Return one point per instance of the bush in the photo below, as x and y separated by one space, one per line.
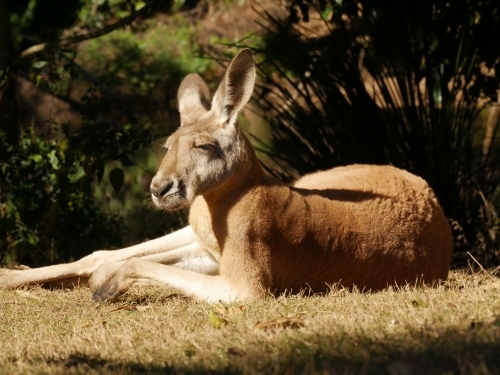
48 211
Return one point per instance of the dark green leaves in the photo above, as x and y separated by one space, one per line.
117 178
39 64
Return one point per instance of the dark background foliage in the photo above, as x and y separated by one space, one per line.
382 82
50 174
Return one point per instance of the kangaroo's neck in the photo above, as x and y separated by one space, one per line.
247 172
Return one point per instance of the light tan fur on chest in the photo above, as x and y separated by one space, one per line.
200 220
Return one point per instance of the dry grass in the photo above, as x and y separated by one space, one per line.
451 329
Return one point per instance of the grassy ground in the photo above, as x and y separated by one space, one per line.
453 329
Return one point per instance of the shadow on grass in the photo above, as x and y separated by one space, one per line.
423 351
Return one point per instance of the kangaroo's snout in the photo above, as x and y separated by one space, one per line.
159 189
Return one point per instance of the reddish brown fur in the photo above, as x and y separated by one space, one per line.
377 226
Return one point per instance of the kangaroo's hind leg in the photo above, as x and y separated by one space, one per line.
190 257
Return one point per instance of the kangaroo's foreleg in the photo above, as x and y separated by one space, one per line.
172 241
82 269
211 288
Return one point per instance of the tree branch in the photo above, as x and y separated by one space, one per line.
90 35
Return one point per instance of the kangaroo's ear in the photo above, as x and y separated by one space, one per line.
236 88
194 99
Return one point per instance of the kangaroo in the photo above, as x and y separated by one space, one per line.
362 226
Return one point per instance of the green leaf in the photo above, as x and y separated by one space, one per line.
36 158
139 5
98 167
54 161
326 13
39 64
216 321
117 178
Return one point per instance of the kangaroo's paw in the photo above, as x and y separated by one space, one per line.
103 275
114 288
9 279
109 292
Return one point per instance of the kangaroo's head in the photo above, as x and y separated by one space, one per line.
205 151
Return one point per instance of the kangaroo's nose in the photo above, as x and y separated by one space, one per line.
162 190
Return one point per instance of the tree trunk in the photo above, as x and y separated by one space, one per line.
9 123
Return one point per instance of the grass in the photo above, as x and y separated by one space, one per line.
453 329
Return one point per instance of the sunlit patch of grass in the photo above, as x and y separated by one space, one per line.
452 328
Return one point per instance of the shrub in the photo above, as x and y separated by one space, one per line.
48 211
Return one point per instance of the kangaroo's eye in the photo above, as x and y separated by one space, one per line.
165 149
205 146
